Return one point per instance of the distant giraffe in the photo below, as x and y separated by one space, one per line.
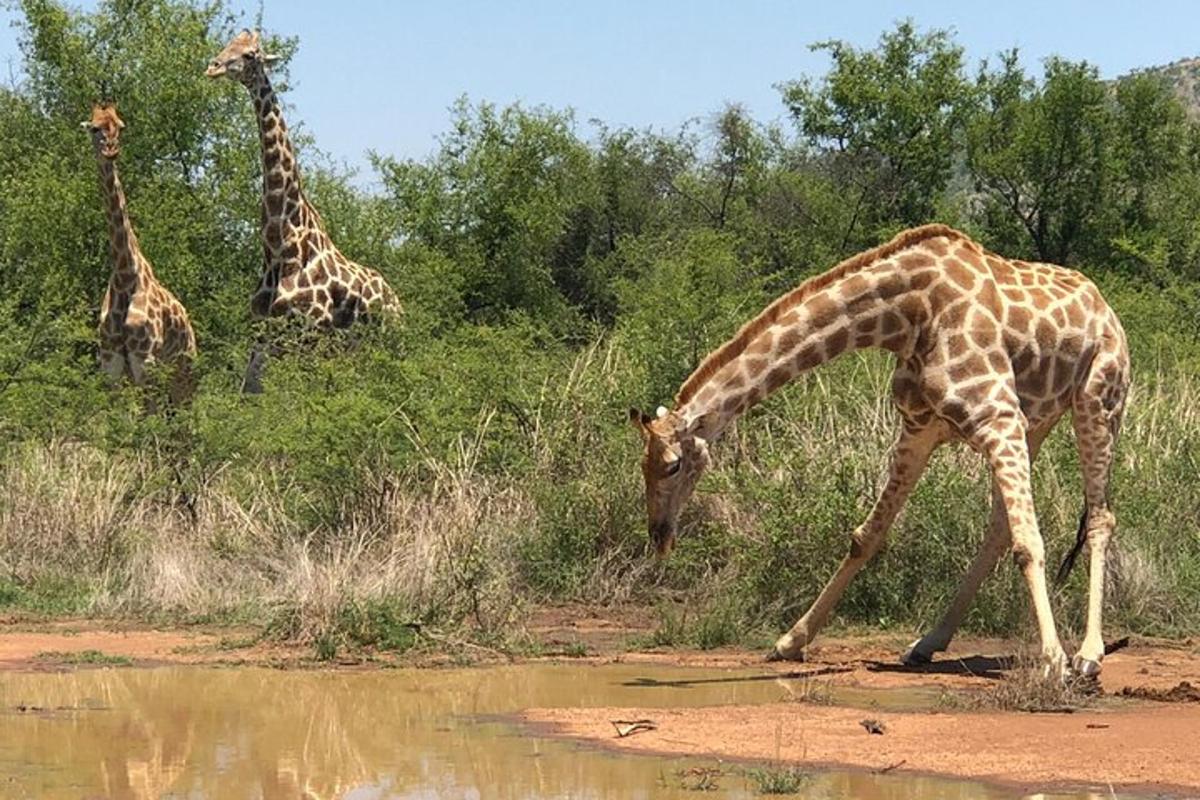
989 351
303 271
141 322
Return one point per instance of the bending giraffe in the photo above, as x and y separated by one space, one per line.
303 271
141 322
989 351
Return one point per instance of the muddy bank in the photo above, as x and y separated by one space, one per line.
765 712
1142 750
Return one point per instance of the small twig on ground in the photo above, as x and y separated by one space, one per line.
626 727
890 767
454 641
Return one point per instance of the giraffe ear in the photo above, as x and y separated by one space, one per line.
270 58
639 420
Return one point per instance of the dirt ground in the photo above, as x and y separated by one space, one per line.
1129 743
1123 743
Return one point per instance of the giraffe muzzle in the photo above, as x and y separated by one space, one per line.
662 534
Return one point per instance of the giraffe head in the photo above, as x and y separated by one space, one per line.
105 127
673 459
241 59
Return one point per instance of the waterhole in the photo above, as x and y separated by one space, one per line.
258 733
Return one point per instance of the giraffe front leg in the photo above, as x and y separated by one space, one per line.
137 368
252 380
908 461
995 542
183 382
1003 444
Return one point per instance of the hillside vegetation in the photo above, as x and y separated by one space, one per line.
451 471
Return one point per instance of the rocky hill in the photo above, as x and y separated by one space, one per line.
1184 75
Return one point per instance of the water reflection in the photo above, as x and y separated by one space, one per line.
254 733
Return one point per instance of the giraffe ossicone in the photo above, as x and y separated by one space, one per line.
141 322
989 351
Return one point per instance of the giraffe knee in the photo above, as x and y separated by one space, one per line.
1098 538
863 543
857 549
1100 525
1027 554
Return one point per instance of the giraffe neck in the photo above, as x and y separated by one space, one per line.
859 311
284 208
123 243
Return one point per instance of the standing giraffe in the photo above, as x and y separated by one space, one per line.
141 322
303 271
989 351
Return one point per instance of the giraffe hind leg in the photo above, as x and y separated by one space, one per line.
1002 439
1097 418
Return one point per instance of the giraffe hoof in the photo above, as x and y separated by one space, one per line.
914 657
786 649
776 655
1085 667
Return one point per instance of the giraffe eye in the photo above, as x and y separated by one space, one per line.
673 467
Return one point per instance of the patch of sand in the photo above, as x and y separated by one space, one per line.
1150 748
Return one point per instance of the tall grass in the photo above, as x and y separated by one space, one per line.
542 501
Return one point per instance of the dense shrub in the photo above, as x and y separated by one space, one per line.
476 457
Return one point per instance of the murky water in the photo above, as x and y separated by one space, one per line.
255 733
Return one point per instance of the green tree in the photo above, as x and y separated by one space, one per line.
189 164
498 199
1042 157
889 121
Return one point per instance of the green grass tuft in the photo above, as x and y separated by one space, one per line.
91 658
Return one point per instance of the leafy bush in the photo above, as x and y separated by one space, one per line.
476 457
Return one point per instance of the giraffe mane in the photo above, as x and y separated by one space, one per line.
727 352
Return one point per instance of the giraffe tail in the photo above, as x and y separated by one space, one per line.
1080 540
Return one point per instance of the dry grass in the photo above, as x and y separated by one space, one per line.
452 538
1029 687
439 550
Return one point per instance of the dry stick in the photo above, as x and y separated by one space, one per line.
628 727
890 767
454 641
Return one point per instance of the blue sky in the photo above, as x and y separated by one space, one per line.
380 74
